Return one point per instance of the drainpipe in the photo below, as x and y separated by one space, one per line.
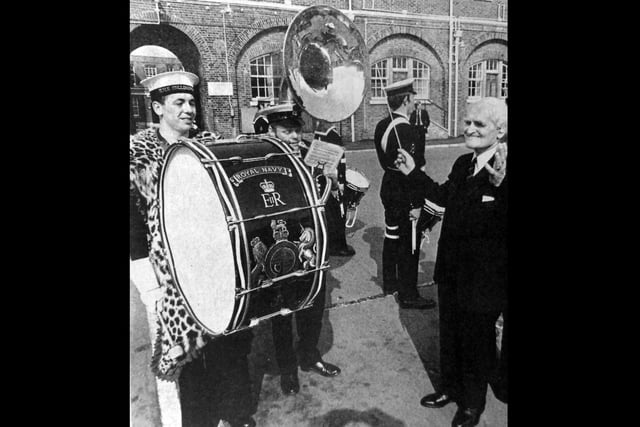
353 124
364 101
226 53
449 131
353 128
158 12
458 35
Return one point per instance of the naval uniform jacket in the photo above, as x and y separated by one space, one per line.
397 190
472 249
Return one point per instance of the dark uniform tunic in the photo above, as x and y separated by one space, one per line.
399 194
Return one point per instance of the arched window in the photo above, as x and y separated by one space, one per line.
391 70
488 78
266 76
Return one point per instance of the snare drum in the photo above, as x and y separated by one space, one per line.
355 188
244 229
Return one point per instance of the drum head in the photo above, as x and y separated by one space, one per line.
357 179
198 241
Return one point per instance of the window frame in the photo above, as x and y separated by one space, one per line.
501 71
379 79
135 107
504 80
153 67
269 78
391 67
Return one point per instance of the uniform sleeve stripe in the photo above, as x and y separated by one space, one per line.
433 208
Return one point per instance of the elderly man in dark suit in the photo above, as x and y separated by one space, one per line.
471 264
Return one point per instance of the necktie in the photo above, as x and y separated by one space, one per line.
419 119
472 167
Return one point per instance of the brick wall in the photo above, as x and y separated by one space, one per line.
194 32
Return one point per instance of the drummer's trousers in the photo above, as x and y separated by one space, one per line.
217 385
308 327
399 261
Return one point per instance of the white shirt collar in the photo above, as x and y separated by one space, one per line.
483 158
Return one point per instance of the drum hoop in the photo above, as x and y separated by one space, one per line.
239 237
201 152
359 175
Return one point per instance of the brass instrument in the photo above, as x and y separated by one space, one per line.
326 63
327 73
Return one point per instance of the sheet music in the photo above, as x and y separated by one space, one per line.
324 155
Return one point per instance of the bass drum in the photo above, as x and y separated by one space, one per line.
245 231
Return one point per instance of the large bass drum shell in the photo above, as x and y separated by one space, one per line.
244 229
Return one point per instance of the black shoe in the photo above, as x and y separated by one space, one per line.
346 251
323 368
436 400
418 303
466 417
289 383
244 422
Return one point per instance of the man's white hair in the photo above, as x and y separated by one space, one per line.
496 109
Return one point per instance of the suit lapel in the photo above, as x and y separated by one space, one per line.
483 174
476 184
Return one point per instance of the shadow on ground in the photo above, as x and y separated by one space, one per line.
421 325
262 360
343 417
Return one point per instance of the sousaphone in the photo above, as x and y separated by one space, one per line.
327 75
326 63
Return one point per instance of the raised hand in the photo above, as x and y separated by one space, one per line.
499 169
404 162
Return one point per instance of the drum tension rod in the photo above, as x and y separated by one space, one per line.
231 222
270 282
282 312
